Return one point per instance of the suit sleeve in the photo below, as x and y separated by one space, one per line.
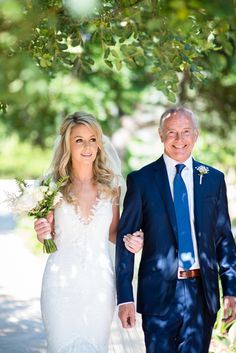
131 220
225 246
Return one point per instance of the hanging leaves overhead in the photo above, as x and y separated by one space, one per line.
161 38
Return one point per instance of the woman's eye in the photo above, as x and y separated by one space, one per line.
79 141
93 139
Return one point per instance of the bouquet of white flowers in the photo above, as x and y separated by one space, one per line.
37 200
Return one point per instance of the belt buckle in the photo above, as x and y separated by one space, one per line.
188 274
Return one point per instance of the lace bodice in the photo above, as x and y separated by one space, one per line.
67 216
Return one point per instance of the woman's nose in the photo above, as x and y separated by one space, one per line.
86 144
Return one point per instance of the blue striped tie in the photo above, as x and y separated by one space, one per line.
185 243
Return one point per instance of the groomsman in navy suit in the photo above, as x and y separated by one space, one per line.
181 206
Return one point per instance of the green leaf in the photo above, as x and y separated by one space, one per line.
86 67
62 46
128 50
76 42
90 60
109 63
139 60
127 3
130 63
118 64
114 53
171 96
106 53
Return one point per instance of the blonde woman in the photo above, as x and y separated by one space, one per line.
78 289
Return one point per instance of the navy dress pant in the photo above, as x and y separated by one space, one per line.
186 328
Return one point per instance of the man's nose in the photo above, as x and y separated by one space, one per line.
178 136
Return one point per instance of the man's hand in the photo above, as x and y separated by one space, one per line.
127 315
229 309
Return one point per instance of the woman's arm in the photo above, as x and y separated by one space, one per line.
115 220
133 242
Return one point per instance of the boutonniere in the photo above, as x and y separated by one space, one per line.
202 170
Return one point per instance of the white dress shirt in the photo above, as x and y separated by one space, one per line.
187 175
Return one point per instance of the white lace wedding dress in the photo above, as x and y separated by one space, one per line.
78 289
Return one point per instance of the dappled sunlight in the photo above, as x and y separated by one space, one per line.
21 326
167 262
126 340
183 324
78 8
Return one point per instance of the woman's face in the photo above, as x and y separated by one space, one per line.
83 144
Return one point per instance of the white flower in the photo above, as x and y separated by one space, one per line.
37 199
28 199
52 185
43 189
202 169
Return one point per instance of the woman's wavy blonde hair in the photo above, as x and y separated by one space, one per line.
103 177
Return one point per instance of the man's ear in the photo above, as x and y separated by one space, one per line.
160 134
196 134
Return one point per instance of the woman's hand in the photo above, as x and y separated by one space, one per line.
44 226
134 242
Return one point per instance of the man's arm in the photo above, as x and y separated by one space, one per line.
226 256
130 221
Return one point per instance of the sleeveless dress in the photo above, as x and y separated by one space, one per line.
78 288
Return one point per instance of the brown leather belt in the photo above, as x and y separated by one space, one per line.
189 274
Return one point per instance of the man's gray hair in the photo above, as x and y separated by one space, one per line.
175 110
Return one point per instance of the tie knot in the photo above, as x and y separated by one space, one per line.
179 168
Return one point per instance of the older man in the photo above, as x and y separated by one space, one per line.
181 206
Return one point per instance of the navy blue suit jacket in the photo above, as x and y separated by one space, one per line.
148 205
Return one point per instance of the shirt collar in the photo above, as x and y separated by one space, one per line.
171 163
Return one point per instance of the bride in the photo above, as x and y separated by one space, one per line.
78 289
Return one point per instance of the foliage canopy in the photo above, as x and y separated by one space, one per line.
114 52
157 37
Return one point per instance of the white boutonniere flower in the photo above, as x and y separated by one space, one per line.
202 170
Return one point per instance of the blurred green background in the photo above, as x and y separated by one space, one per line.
124 61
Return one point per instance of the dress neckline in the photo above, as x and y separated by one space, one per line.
87 220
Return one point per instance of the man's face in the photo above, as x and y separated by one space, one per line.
178 136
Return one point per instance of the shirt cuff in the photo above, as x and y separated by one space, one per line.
124 303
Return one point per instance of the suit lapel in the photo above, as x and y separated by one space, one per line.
162 182
161 178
